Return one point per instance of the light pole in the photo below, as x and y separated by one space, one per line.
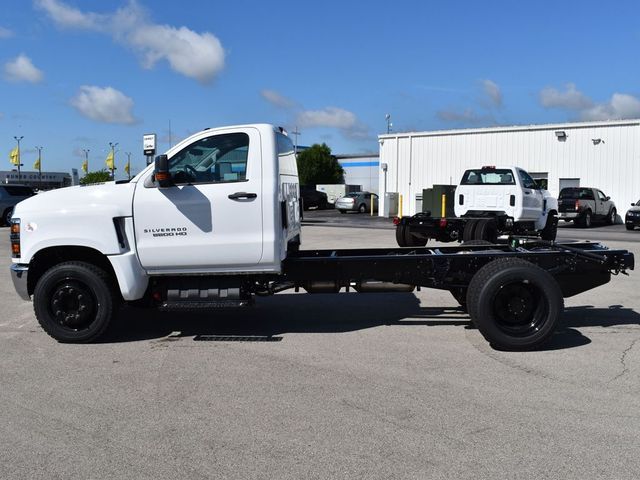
39 166
387 117
86 160
19 159
113 159
295 145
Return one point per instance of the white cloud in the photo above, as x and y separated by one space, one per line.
195 55
22 69
5 33
332 117
492 92
467 116
620 106
104 104
570 99
276 99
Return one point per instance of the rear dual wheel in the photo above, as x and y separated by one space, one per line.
480 229
515 304
405 238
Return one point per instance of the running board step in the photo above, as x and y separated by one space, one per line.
187 305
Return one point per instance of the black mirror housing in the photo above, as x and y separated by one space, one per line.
162 175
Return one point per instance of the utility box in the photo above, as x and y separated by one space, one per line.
432 200
390 206
336 191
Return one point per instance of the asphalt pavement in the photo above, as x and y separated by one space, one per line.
375 386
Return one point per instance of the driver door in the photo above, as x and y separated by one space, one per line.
211 219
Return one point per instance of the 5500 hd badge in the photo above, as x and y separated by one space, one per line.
167 232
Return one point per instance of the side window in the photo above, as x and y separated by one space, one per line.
215 159
601 196
527 181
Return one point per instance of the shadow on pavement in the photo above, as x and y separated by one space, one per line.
292 313
286 313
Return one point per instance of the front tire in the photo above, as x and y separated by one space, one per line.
550 230
515 304
611 218
629 227
74 302
6 216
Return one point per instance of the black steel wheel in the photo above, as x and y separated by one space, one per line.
515 304
486 229
74 302
469 230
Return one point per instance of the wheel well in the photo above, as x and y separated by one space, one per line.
49 257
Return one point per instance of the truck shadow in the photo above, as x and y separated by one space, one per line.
287 313
290 313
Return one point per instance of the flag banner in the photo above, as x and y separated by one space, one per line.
127 168
14 156
36 164
85 166
109 161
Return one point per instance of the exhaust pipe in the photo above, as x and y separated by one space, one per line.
373 286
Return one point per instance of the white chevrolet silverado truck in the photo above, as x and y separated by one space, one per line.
488 202
215 222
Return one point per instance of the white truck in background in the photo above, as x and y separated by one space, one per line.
488 202
215 222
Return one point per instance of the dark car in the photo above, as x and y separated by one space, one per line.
9 196
632 218
313 198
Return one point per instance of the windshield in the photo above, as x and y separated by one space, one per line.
574 192
499 176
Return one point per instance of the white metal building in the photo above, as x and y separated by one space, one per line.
361 169
605 155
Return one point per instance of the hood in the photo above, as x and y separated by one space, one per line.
634 209
110 199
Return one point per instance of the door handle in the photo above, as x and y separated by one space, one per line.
242 196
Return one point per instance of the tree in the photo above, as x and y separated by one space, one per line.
316 166
100 176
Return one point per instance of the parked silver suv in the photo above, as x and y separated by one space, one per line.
9 196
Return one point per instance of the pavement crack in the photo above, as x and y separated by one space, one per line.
623 360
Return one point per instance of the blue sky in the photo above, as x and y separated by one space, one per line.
79 74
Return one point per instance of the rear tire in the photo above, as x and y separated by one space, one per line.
6 216
486 229
515 304
74 302
404 238
585 221
550 230
343 211
469 230
400 229
362 208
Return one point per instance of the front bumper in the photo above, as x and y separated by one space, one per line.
635 220
19 275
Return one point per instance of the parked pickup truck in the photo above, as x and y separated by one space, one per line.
489 202
216 222
583 205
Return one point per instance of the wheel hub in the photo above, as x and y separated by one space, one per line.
72 305
518 308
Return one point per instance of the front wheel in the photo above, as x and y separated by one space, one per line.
629 227
74 302
515 304
611 218
550 230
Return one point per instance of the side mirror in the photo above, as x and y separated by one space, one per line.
163 177
607 198
633 204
